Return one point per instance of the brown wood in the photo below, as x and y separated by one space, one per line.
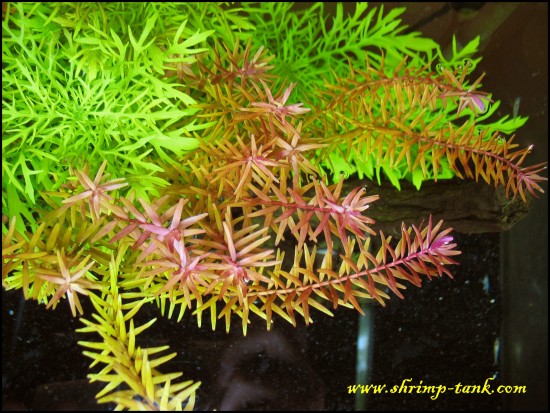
467 206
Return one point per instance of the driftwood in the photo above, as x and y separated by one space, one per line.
467 206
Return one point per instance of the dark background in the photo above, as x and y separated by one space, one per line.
443 333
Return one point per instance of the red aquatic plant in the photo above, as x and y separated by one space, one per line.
250 225
240 228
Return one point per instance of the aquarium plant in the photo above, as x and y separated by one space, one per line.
192 156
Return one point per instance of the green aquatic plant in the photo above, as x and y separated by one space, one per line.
79 86
315 48
164 163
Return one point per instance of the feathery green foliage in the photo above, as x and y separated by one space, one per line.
78 85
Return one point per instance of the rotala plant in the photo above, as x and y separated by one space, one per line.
176 167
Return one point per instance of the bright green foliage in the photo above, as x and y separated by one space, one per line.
315 46
87 82
83 82
311 42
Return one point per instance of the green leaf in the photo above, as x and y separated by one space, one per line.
183 48
174 142
458 56
417 178
470 48
64 22
157 59
167 90
119 44
340 166
138 45
239 23
18 208
393 175
85 40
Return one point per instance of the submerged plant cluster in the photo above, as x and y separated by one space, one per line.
192 156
